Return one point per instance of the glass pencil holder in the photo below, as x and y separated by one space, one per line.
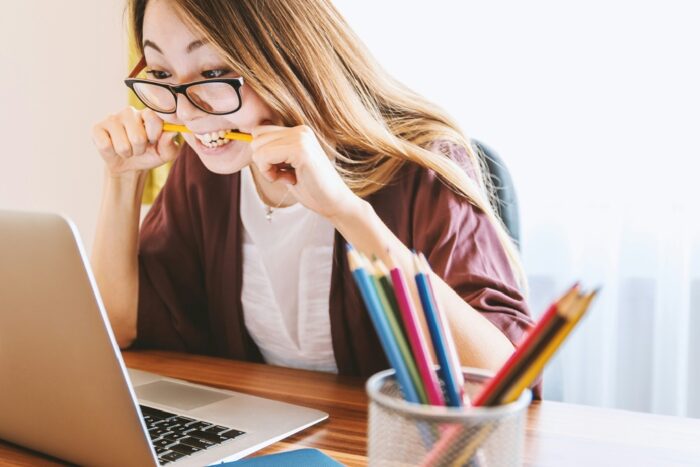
403 433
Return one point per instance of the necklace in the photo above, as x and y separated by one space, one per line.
269 209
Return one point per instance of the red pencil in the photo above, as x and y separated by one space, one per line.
488 395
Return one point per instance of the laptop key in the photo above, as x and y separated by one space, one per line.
157 432
211 437
230 434
160 450
155 413
182 420
184 449
180 429
199 425
168 424
160 423
217 429
196 442
174 436
161 442
171 456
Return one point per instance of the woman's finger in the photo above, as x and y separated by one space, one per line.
153 125
166 147
261 130
273 154
135 131
265 137
288 176
102 141
118 135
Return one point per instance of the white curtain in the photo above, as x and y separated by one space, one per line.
610 189
637 349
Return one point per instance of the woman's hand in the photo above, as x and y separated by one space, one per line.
314 181
133 140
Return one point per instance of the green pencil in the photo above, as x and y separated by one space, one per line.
385 292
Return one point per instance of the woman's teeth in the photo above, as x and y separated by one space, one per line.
214 139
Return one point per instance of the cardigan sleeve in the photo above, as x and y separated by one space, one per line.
462 247
172 295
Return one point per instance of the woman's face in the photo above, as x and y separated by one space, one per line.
175 55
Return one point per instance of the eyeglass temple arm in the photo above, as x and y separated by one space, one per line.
138 67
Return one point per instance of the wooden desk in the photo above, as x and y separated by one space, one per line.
557 434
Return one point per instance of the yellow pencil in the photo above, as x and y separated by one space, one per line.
577 311
574 311
230 135
471 448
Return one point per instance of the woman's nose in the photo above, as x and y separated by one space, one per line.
186 111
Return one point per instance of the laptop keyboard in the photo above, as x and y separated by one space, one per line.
174 436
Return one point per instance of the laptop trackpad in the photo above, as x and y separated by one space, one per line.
179 396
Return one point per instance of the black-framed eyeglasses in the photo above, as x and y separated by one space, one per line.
217 96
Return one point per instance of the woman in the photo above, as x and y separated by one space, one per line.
242 255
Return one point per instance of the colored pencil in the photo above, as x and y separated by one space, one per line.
381 325
449 437
573 315
229 135
449 340
570 308
558 322
414 331
495 387
385 292
383 274
452 391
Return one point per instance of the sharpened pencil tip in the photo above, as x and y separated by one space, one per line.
426 264
354 259
390 260
380 267
417 264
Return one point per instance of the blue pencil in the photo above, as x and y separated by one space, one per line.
381 325
452 390
445 326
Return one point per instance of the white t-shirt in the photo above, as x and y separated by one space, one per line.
287 265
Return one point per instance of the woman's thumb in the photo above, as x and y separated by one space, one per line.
167 146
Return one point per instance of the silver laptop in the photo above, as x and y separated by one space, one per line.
64 388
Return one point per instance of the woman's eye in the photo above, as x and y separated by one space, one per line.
215 73
158 74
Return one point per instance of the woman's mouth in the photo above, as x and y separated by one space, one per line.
214 139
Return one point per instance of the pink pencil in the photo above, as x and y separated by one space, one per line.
415 335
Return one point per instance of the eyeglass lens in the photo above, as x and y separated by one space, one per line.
211 97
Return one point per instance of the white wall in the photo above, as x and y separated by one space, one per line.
61 65
564 84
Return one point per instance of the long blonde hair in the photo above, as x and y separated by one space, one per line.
307 64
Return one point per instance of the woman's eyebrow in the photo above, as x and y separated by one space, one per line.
194 45
151 44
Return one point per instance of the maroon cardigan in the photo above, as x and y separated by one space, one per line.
190 265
